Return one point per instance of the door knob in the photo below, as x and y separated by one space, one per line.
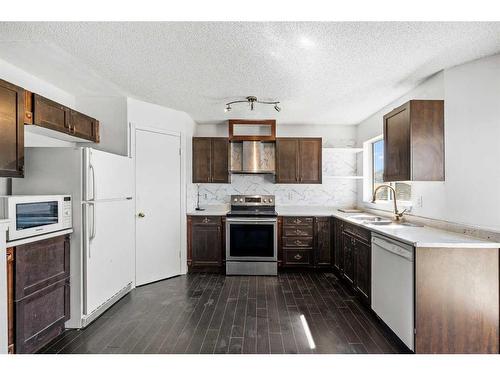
141 214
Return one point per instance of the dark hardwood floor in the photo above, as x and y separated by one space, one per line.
210 313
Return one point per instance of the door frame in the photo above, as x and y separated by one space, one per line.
133 128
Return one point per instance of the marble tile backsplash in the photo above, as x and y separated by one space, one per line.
332 192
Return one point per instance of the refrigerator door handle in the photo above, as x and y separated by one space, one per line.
91 167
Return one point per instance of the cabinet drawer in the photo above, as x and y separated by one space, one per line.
206 220
298 257
40 264
297 241
298 221
357 231
40 317
297 231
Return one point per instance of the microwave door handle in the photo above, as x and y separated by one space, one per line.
91 167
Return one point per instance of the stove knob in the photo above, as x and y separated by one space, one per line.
265 200
236 199
241 200
270 200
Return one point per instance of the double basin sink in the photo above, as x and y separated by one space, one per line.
377 220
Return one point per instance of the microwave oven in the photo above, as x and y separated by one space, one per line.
33 215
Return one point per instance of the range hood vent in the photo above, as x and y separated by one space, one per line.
253 157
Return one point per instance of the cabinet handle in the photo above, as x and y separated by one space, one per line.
206 220
298 257
298 242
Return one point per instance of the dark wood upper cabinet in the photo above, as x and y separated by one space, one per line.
52 115
310 164
287 166
298 160
414 142
220 160
83 126
11 130
210 160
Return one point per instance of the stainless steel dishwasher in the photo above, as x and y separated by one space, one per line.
392 286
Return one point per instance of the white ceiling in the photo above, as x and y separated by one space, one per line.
323 73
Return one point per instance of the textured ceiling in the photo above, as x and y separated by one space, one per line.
323 73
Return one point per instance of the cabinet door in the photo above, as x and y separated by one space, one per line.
10 298
287 160
363 270
397 144
220 160
40 316
349 258
206 245
11 130
83 126
338 246
39 264
201 159
322 239
50 114
310 161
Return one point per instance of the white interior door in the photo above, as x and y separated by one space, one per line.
158 206
109 250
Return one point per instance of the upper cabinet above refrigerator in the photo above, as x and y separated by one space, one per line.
414 142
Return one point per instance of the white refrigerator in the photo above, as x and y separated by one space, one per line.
103 242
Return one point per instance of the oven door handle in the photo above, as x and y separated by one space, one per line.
252 220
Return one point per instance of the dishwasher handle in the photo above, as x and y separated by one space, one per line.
394 248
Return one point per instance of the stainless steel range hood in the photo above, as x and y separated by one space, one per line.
253 157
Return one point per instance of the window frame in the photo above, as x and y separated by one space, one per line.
369 183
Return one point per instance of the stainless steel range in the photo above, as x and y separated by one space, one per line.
251 236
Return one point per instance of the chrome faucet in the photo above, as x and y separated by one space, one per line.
397 215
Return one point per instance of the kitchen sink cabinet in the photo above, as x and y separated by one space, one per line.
298 160
39 291
414 142
206 243
338 248
210 160
11 130
352 257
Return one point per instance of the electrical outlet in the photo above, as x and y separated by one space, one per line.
420 202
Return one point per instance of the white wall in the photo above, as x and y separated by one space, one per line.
470 193
142 114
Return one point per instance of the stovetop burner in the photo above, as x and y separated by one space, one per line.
252 206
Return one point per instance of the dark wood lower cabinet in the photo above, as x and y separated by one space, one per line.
323 242
10 299
206 243
457 300
39 293
352 257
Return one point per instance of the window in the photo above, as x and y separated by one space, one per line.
403 189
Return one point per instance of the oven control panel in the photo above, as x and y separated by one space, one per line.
252 200
67 217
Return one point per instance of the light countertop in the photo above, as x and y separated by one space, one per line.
417 236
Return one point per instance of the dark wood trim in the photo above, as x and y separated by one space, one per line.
10 300
232 137
28 107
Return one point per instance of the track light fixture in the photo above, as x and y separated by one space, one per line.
252 100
